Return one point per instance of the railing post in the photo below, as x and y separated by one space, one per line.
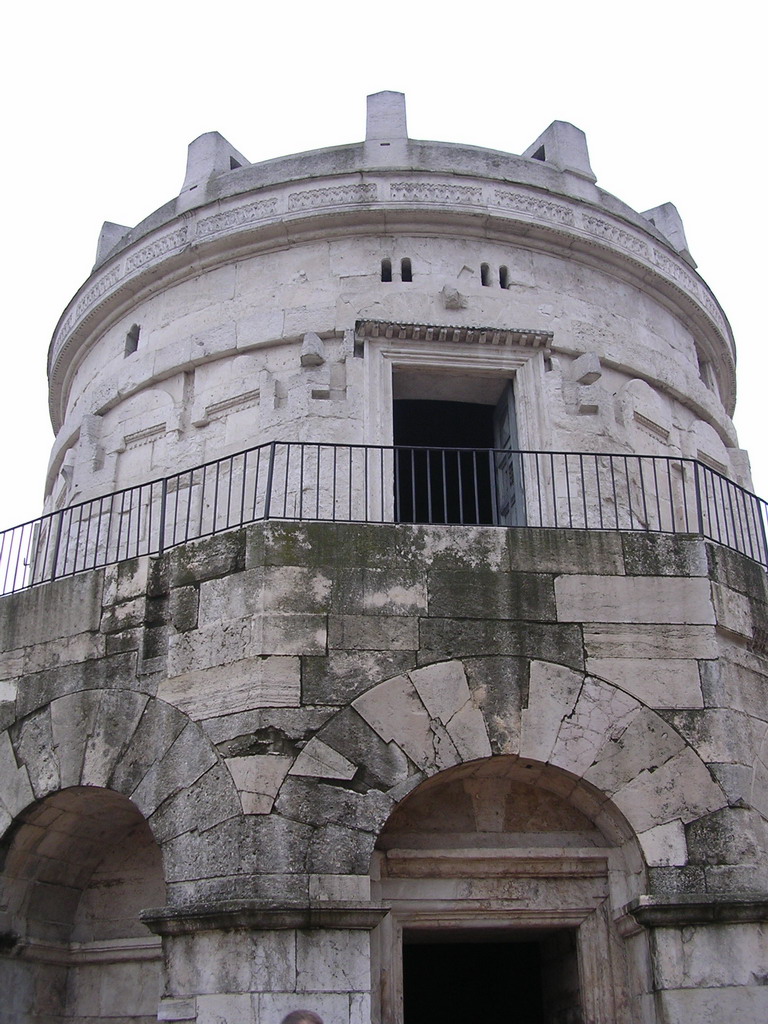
699 506
57 542
163 501
270 474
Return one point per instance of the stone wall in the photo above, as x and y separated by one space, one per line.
265 699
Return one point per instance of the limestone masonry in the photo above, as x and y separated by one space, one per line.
409 738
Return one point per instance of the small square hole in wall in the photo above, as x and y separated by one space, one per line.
132 340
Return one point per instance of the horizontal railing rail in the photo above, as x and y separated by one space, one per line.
380 484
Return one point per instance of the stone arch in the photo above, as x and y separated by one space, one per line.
102 791
140 747
414 725
499 857
78 867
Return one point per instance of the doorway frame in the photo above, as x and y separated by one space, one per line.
595 951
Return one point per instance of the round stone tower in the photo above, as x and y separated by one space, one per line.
288 718
298 298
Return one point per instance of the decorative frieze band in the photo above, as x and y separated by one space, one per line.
339 195
435 192
237 217
159 248
517 203
534 206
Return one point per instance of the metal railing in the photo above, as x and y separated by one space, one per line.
377 484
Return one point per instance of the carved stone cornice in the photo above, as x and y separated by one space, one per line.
698 909
258 914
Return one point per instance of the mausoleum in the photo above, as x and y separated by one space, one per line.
393 640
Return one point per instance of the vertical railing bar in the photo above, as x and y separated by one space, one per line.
215 516
539 496
554 487
568 491
444 471
598 489
629 494
654 462
583 491
270 470
672 510
413 484
335 482
428 455
349 485
476 486
643 495
460 488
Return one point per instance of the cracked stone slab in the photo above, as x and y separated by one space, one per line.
318 760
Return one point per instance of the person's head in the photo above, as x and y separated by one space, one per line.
302 1017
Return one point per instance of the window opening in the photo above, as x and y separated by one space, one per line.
132 340
386 270
485 274
503 277
457 461
234 164
405 270
539 154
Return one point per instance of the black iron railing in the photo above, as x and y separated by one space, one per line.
376 484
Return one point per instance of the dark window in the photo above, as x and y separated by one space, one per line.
386 270
485 274
132 340
405 270
503 277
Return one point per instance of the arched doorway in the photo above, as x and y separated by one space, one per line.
505 880
78 867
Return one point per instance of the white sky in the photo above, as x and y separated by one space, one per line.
101 100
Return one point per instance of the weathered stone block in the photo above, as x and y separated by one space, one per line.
258 778
372 633
337 850
126 580
453 547
646 742
16 792
737 572
32 739
250 682
497 686
633 599
491 595
379 591
117 671
341 676
650 554
187 758
459 638
157 730
207 559
63 608
680 788
184 602
657 683
211 800
332 961
658 640
319 761
566 551
379 764
291 633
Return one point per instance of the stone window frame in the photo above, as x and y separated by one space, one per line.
525 366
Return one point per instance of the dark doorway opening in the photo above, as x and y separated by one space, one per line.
522 978
434 484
